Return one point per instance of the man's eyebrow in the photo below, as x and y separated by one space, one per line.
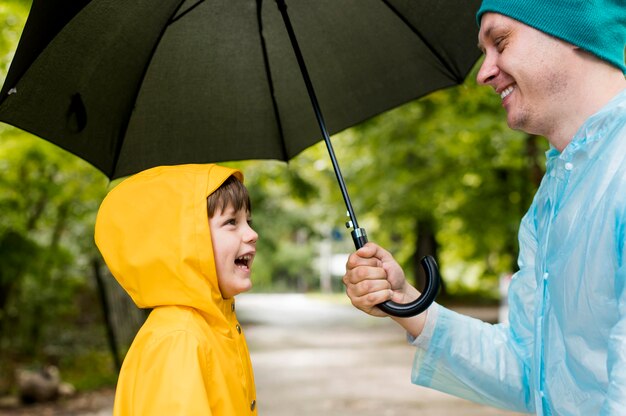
486 35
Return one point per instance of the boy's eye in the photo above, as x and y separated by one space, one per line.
230 221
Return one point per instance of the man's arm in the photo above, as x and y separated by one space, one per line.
616 354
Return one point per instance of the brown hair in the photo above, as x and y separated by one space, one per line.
231 192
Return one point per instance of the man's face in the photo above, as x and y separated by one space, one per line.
528 69
234 247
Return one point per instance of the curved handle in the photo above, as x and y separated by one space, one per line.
429 293
419 305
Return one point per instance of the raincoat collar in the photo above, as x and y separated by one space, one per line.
589 133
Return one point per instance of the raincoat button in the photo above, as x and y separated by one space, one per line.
232 307
238 328
253 405
545 276
569 166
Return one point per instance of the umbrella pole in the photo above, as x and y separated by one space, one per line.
358 234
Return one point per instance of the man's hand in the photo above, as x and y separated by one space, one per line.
373 276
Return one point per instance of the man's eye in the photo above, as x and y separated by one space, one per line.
499 43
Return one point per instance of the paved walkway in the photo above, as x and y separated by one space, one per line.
317 356
314 357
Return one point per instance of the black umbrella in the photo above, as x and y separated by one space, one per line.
128 85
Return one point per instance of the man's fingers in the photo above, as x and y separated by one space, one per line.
365 287
361 258
372 250
368 302
362 273
369 255
366 278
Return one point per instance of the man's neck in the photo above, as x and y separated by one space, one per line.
596 89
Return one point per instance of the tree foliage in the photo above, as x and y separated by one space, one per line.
48 200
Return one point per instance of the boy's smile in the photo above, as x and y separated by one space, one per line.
234 248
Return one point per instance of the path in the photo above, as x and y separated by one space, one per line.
313 357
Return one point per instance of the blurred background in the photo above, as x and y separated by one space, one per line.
442 176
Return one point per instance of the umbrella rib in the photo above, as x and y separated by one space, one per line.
452 72
268 74
120 142
190 8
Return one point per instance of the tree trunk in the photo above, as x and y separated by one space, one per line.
425 245
95 263
16 252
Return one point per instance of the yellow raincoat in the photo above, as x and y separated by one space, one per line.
190 357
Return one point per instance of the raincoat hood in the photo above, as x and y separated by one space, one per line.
153 232
190 356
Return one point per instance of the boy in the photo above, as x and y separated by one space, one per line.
178 240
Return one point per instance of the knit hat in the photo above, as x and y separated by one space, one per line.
597 26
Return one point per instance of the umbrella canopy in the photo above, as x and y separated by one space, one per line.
129 85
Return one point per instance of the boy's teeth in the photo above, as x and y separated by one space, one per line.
506 92
244 259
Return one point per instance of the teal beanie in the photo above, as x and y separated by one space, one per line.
597 26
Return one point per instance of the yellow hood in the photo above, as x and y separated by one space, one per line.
153 232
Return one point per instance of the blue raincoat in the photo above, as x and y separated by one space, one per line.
564 349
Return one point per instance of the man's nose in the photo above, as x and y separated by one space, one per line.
487 71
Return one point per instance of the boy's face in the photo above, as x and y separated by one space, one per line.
234 247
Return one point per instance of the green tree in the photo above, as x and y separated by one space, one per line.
48 200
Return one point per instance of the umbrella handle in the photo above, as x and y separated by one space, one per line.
429 293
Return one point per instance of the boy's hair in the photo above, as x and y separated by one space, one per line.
231 192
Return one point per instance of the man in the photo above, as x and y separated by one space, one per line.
559 68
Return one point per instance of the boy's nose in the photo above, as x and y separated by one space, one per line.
251 236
